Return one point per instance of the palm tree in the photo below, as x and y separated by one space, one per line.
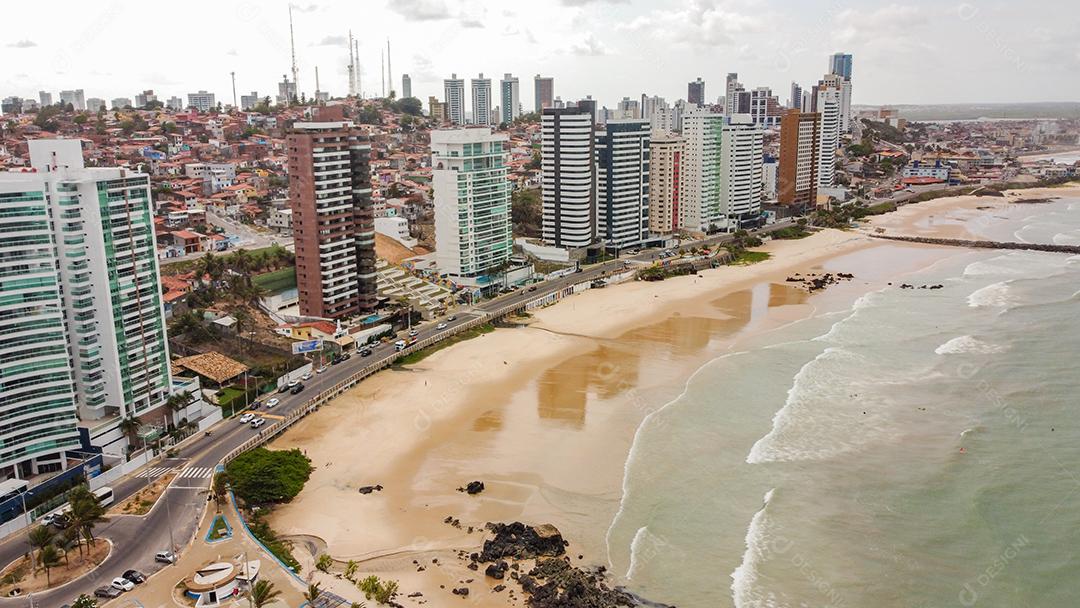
313 592
40 537
220 488
86 512
130 427
263 592
50 558
178 401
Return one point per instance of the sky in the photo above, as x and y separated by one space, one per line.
916 51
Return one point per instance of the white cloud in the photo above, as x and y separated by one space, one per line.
701 23
420 10
590 46
23 44
333 41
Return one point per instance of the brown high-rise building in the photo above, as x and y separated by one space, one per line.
333 218
797 179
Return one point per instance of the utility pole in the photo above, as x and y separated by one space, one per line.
352 67
233 75
33 562
359 82
389 72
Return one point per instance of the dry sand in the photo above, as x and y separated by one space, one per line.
544 415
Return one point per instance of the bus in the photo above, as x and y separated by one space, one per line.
104 496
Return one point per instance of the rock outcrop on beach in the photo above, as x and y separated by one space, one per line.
815 282
552 582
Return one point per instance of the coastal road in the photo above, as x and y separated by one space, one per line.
137 539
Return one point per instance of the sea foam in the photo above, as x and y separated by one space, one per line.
968 344
996 294
758 547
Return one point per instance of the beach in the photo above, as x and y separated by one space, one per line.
549 416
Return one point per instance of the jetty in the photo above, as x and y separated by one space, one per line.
1072 249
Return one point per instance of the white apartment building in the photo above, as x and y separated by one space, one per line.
665 182
828 103
249 101
77 98
741 147
622 183
104 272
454 97
215 176
701 171
481 101
201 101
510 98
836 81
473 228
119 103
568 180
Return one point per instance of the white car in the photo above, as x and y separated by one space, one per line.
293 383
320 370
122 584
256 423
166 557
306 377
246 418
413 333
441 326
273 402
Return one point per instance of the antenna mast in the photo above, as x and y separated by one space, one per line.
389 72
292 45
352 67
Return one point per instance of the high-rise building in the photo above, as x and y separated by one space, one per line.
96 104
201 101
665 182
651 105
828 101
84 298
695 92
332 216
668 119
147 96
406 86
795 100
249 101
11 105
568 180
45 97
175 104
840 64
700 208
588 104
437 109
77 98
544 92
797 180
481 100
509 98
454 98
628 109
741 148
119 103
732 88
286 91
765 107
473 235
622 183
836 81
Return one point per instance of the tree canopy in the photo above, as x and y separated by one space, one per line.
263 476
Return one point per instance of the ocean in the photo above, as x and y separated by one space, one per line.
900 447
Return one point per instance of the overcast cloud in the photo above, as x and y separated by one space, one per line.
905 52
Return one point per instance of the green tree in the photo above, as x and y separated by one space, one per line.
263 592
49 559
313 592
84 601
86 512
324 562
40 537
350 569
220 488
263 476
130 428
409 105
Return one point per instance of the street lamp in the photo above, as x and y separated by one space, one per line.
29 523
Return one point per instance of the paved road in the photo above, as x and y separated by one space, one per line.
249 238
137 539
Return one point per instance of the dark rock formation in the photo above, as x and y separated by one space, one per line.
474 487
370 489
519 541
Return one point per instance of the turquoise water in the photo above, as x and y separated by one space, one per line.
910 448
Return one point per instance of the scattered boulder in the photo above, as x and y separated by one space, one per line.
370 489
462 591
497 570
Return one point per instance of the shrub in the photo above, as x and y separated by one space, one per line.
264 476
324 562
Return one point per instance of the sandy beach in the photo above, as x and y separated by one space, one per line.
545 414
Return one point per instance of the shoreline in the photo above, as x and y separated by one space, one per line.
522 409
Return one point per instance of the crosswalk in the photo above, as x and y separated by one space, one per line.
182 472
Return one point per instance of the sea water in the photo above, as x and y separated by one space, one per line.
915 447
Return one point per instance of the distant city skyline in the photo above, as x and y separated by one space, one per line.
605 48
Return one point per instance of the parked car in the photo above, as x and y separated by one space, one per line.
272 402
246 418
533 288
256 423
346 356
122 584
366 352
306 377
336 359
135 576
296 389
293 383
165 557
320 370
107 592
452 318
441 326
